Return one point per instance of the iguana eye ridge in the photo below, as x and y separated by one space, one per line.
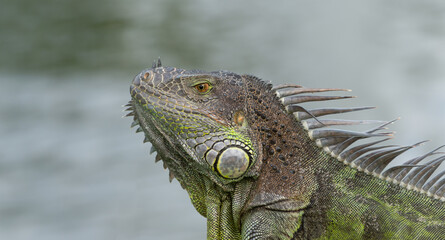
232 162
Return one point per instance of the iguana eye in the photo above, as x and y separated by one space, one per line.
203 87
232 162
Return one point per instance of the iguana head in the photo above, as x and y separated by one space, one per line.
226 138
191 126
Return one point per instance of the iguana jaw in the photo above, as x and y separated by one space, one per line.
165 150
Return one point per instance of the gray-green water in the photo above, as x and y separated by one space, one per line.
71 168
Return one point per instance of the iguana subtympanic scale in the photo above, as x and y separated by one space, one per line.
258 165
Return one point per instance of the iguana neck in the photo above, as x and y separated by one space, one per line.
285 177
288 154
285 181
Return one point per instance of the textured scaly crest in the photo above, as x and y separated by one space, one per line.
369 157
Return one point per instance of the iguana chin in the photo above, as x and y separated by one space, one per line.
258 165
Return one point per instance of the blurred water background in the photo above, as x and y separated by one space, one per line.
71 168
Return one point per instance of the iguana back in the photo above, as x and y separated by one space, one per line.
258 165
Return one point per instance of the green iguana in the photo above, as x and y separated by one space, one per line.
258 165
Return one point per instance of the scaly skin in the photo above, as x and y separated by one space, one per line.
252 170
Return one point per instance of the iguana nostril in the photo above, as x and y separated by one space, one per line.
146 75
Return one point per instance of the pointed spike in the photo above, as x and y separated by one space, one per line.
338 150
431 181
355 162
152 149
164 165
425 175
344 155
301 99
129 114
431 165
383 126
435 151
410 175
441 191
311 124
157 158
396 174
300 115
134 123
287 85
363 162
154 64
392 171
419 143
139 129
295 91
315 134
146 139
357 157
129 104
432 185
380 163
171 176
129 109
404 176
377 166
159 64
